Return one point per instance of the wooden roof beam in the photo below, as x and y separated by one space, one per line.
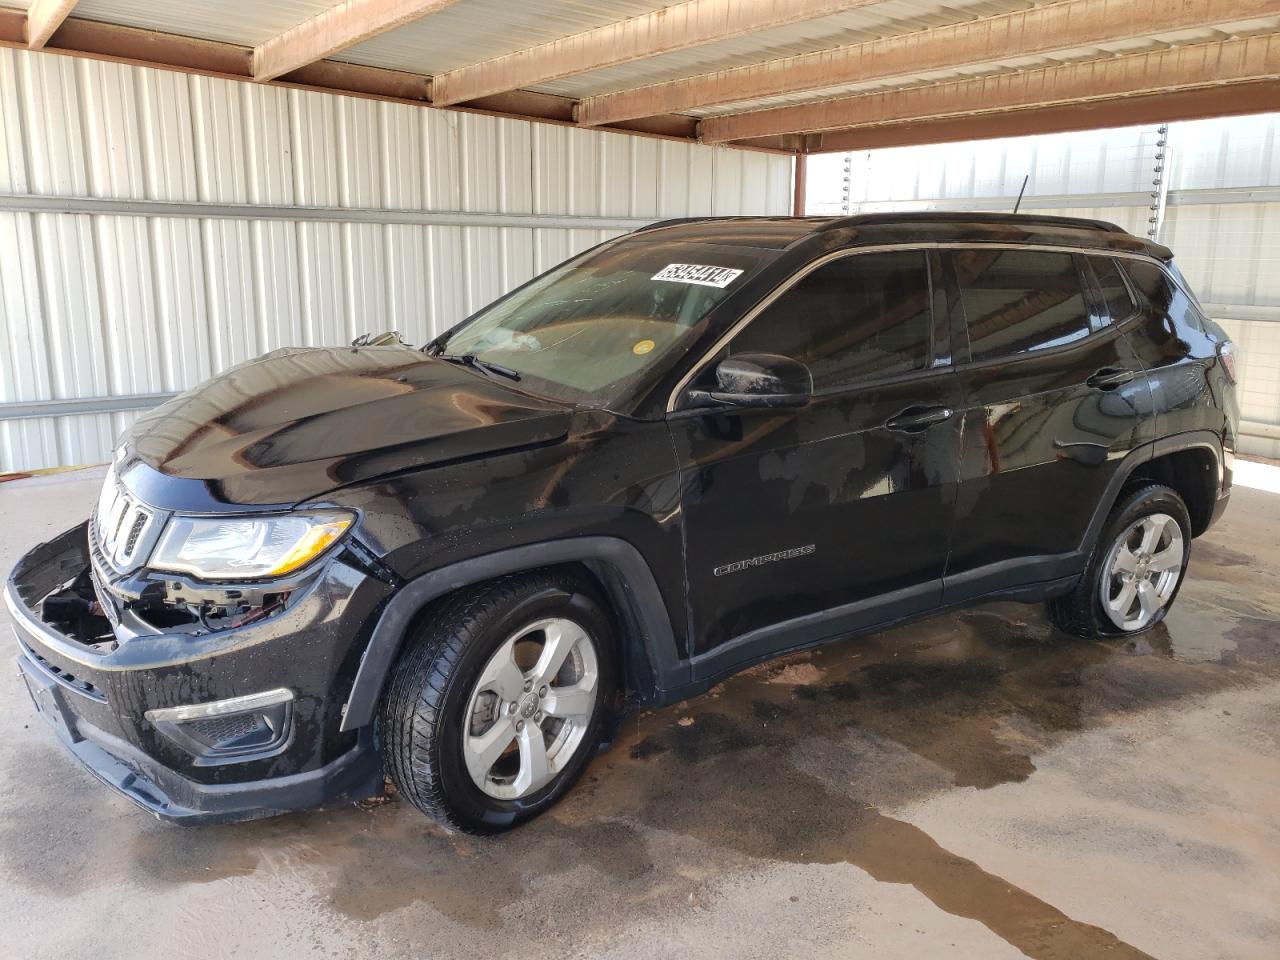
44 17
1055 26
1261 96
678 27
148 48
1215 64
334 30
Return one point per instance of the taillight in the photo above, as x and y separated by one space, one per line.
1227 354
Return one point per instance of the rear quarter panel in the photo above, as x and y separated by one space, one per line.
1189 388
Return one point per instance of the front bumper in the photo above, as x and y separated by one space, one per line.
97 700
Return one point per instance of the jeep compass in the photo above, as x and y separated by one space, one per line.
682 452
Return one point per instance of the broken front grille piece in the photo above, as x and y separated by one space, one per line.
124 528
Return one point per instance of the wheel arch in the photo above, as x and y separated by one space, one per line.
649 659
1190 462
1194 472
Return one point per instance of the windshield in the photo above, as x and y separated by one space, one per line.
587 330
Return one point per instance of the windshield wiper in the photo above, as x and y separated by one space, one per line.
484 366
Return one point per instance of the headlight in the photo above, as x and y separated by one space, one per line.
247 548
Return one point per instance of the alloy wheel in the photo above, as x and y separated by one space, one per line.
530 708
1142 571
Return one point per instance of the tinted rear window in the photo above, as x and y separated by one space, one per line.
1018 301
1114 290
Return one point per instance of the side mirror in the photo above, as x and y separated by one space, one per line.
757 380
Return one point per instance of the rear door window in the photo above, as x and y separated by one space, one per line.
857 318
1020 301
1115 292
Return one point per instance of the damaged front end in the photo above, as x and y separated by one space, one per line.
198 700
99 609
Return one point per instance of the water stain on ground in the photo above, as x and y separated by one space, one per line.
1208 553
970 698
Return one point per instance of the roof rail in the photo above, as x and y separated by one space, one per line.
658 224
964 216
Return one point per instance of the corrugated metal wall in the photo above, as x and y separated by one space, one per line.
292 218
1214 186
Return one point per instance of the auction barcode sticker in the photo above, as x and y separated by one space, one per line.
706 276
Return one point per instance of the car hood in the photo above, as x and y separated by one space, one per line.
298 423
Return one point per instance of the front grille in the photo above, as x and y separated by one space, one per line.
131 544
123 527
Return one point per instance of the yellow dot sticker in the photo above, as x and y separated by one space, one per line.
642 347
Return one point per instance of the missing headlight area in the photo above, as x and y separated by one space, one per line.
143 569
88 611
211 608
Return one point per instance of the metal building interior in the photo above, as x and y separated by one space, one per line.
202 147
188 184
802 77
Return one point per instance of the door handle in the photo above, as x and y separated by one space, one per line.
916 419
1108 378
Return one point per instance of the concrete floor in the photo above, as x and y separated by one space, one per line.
976 785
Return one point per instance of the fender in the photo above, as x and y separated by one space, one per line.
1190 440
624 573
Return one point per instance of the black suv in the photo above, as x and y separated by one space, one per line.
687 450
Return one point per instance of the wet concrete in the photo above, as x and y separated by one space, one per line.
975 785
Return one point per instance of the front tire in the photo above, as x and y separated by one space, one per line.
1136 569
499 699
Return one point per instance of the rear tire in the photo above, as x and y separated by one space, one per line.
498 700
1136 569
